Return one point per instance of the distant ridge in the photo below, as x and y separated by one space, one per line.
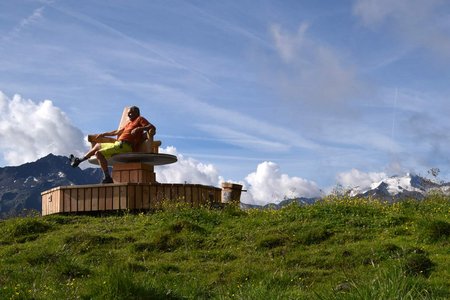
21 186
390 189
401 187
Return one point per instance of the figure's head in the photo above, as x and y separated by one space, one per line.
133 112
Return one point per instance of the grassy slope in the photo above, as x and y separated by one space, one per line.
338 249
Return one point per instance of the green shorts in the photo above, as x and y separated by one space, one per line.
110 149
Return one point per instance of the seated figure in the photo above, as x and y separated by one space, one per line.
129 139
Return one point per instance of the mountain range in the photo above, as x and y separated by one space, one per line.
401 187
21 186
391 189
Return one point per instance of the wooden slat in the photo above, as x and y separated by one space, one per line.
88 199
109 198
167 195
138 189
153 196
116 197
101 199
131 196
95 199
188 193
146 196
159 196
123 197
66 200
73 200
80 199
195 196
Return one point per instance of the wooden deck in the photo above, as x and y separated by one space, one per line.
125 196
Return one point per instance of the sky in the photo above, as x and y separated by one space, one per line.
289 98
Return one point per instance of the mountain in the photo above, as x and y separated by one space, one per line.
391 189
401 187
21 186
281 204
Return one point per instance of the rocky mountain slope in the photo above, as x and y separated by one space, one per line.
401 187
21 186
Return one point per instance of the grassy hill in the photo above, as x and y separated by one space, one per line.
336 249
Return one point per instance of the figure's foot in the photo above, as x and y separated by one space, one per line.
74 161
107 179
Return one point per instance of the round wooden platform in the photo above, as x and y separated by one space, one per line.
154 159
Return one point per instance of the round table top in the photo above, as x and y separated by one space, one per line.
155 159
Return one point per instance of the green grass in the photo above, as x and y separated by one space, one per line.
339 248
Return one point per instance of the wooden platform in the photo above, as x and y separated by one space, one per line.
125 196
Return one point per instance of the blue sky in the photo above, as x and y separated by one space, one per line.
322 92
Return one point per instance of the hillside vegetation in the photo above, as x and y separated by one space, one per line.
339 248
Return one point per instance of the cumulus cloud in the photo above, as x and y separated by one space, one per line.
187 169
30 130
360 180
268 185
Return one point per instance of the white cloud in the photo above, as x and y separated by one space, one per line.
268 185
421 23
265 185
311 73
29 130
357 179
187 170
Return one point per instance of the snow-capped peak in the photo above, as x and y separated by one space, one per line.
397 185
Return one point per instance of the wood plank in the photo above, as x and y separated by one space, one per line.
138 189
101 198
153 196
116 197
159 196
125 176
109 198
167 192
59 206
134 176
95 199
66 200
73 200
146 196
45 198
188 193
174 194
131 196
88 199
123 197
80 199
195 196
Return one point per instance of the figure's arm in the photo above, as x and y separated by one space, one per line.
111 133
150 128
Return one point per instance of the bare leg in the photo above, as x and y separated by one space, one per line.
93 151
103 162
